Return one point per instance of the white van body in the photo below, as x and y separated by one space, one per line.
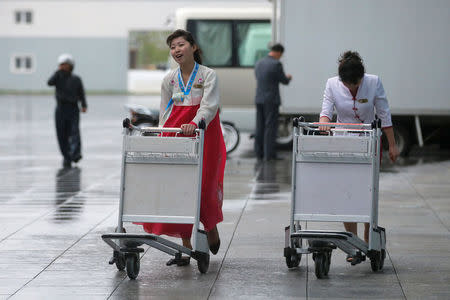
405 42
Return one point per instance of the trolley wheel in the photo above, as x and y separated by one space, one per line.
377 261
293 260
133 265
327 262
120 260
320 264
203 263
383 256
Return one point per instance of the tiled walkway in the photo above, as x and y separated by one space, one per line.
51 221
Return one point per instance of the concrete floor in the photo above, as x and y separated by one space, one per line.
51 221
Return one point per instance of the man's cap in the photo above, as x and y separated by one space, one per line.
66 59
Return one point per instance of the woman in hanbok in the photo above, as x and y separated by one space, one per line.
190 94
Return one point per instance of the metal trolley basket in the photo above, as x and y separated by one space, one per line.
150 163
335 179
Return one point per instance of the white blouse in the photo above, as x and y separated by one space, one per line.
204 91
359 109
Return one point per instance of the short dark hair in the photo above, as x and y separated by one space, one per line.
189 38
277 48
351 67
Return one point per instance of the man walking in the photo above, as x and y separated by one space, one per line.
269 74
68 91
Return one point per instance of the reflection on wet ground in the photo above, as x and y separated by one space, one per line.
51 220
68 203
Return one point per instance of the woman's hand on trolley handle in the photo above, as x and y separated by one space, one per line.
323 127
188 129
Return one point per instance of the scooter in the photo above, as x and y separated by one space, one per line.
142 116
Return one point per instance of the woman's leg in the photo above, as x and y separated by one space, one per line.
366 232
351 227
187 243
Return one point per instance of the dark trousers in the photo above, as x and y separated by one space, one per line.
266 130
67 118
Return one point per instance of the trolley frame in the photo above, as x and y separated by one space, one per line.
346 147
134 153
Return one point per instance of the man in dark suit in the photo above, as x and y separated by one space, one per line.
269 74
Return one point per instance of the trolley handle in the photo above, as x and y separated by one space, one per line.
127 124
315 125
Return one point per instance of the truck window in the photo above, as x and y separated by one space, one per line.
231 43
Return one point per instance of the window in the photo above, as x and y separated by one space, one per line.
231 43
22 64
253 41
215 41
147 50
23 16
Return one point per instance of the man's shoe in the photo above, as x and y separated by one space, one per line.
273 158
67 164
77 158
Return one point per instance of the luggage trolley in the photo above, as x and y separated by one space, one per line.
151 164
335 178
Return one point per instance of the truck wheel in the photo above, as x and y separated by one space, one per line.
284 135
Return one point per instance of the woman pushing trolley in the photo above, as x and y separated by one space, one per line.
335 171
172 175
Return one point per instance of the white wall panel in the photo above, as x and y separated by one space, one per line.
96 18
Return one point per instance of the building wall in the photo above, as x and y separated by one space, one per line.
102 63
95 32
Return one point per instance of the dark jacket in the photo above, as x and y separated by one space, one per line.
269 74
68 88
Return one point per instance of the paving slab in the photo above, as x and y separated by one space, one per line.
51 221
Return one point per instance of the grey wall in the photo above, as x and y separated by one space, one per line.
102 63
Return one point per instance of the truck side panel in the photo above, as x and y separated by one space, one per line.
405 42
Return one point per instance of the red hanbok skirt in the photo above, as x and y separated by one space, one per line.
214 158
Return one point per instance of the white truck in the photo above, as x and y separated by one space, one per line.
405 42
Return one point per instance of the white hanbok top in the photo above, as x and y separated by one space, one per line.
359 109
204 92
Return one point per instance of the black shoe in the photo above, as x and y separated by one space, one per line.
355 259
67 164
77 158
215 248
179 261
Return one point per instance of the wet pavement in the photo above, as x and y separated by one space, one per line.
51 221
